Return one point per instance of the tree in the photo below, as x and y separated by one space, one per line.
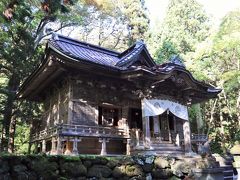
217 61
137 19
24 24
166 51
105 26
115 24
185 25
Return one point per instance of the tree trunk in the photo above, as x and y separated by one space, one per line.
238 108
213 108
12 134
199 118
222 127
13 85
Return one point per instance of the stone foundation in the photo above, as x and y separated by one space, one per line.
97 167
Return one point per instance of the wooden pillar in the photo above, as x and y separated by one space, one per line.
128 149
70 111
156 125
187 137
137 137
75 146
169 131
70 103
177 139
147 133
58 107
59 146
125 112
43 146
53 149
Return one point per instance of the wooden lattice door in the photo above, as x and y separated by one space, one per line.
164 127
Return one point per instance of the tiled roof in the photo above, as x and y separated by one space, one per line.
78 51
85 52
82 51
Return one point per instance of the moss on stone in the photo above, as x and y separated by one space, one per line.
119 171
161 163
73 169
99 171
35 167
162 173
4 167
134 170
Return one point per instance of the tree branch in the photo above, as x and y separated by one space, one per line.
38 40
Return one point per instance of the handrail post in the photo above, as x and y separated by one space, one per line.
177 139
104 146
137 137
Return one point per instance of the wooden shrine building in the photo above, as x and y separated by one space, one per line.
99 101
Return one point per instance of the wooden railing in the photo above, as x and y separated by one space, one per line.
45 134
81 131
137 137
98 131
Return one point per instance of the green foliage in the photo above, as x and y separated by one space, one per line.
236 137
185 25
213 57
138 21
231 80
22 138
217 61
216 144
165 52
114 24
71 158
24 24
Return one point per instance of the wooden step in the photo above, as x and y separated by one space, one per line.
226 163
160 148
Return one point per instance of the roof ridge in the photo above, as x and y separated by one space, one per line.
127 50
137 48
69 40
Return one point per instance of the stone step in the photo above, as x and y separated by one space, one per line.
169 153
228 178
229 170
228 163
167 149
226 174
174 150
163 145
228 167
161 153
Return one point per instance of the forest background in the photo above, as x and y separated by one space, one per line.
211 53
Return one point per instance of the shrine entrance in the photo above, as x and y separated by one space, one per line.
165 130
162 127
159 123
